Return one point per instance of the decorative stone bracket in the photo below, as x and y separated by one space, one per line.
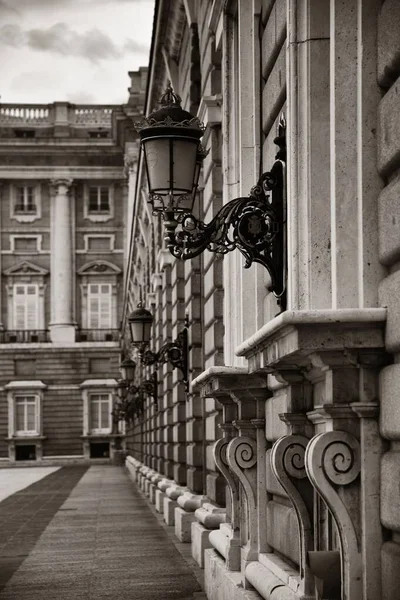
220 458
241 456
287 462
333 464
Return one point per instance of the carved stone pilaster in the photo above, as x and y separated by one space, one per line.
333 465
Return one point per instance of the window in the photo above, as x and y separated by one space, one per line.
99 306
24 133
26 415
26 304
99 199
25 199
99 134
100 413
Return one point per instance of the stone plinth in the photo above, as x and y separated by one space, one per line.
169 510
183 524
200 542
208 517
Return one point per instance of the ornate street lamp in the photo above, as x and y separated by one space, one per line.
127 368
175 353
170 140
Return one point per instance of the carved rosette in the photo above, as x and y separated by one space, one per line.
333 461
288 465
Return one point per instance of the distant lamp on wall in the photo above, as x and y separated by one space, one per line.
173 155
175 353
127 368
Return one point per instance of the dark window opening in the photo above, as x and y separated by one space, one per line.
99 200
99 450
98 134
27 452
25 199
24 133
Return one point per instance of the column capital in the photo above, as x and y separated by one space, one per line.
60 186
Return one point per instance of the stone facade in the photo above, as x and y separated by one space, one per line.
290 429
64 193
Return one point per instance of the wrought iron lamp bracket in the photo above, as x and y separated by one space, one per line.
175 353
255 225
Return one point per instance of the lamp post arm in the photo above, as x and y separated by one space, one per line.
175 353
254 225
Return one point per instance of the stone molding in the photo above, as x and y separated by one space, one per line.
292 336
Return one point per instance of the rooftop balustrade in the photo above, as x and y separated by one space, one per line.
58 113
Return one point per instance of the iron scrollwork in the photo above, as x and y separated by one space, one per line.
255 225
175 353
132 403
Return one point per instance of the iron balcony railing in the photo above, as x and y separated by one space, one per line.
97 335
24 336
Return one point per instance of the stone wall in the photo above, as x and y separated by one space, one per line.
62 370
388 71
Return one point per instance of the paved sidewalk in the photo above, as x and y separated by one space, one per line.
14 480
103 542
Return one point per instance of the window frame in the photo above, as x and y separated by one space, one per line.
20 236
109 236
98 215
25 388
26 432
25 285
25 216
98 296
100 430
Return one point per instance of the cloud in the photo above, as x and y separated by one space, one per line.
94 45
5 9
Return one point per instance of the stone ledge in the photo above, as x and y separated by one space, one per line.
291 337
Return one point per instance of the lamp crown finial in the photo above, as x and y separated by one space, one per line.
169 98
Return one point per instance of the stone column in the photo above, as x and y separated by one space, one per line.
62 328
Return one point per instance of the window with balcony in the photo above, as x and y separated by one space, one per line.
26 306
99 306
25 287
100 413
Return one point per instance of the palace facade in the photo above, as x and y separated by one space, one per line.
280 465
63 225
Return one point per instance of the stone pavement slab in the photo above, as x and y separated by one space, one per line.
102 543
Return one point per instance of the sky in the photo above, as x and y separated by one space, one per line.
74 50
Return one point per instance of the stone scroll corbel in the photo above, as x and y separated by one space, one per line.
242 458
220 458
288 465
333 466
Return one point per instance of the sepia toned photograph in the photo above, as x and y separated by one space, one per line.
199 300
